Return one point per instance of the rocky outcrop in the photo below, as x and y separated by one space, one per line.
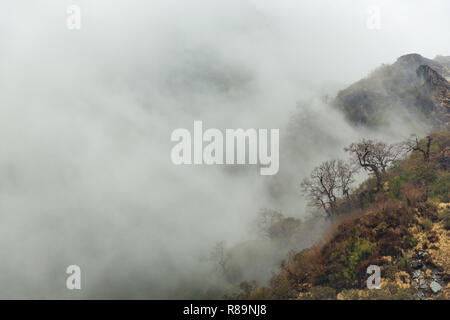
412 86
413 61
439 90
431 78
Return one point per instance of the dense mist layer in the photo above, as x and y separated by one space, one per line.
86 118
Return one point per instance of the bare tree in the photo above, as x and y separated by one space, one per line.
321 187
328 181
345 175
266 220
375 156
413 144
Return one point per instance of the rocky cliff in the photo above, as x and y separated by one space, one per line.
413 86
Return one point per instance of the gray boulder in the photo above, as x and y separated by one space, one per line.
435 287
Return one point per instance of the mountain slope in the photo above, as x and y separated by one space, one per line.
413 86
403 228
445 62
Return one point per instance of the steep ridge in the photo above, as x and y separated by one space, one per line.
439 90
412 85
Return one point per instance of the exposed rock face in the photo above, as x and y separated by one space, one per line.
439 89
432 78
414 61
413 87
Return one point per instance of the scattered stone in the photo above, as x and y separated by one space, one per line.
420 295
422 284
422 254
436 277
435 287
416 264
416 274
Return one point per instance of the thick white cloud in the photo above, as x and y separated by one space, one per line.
86 117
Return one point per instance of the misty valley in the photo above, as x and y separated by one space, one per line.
221 153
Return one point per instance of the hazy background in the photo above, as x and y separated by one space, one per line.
86 118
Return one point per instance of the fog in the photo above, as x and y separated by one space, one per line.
86 117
